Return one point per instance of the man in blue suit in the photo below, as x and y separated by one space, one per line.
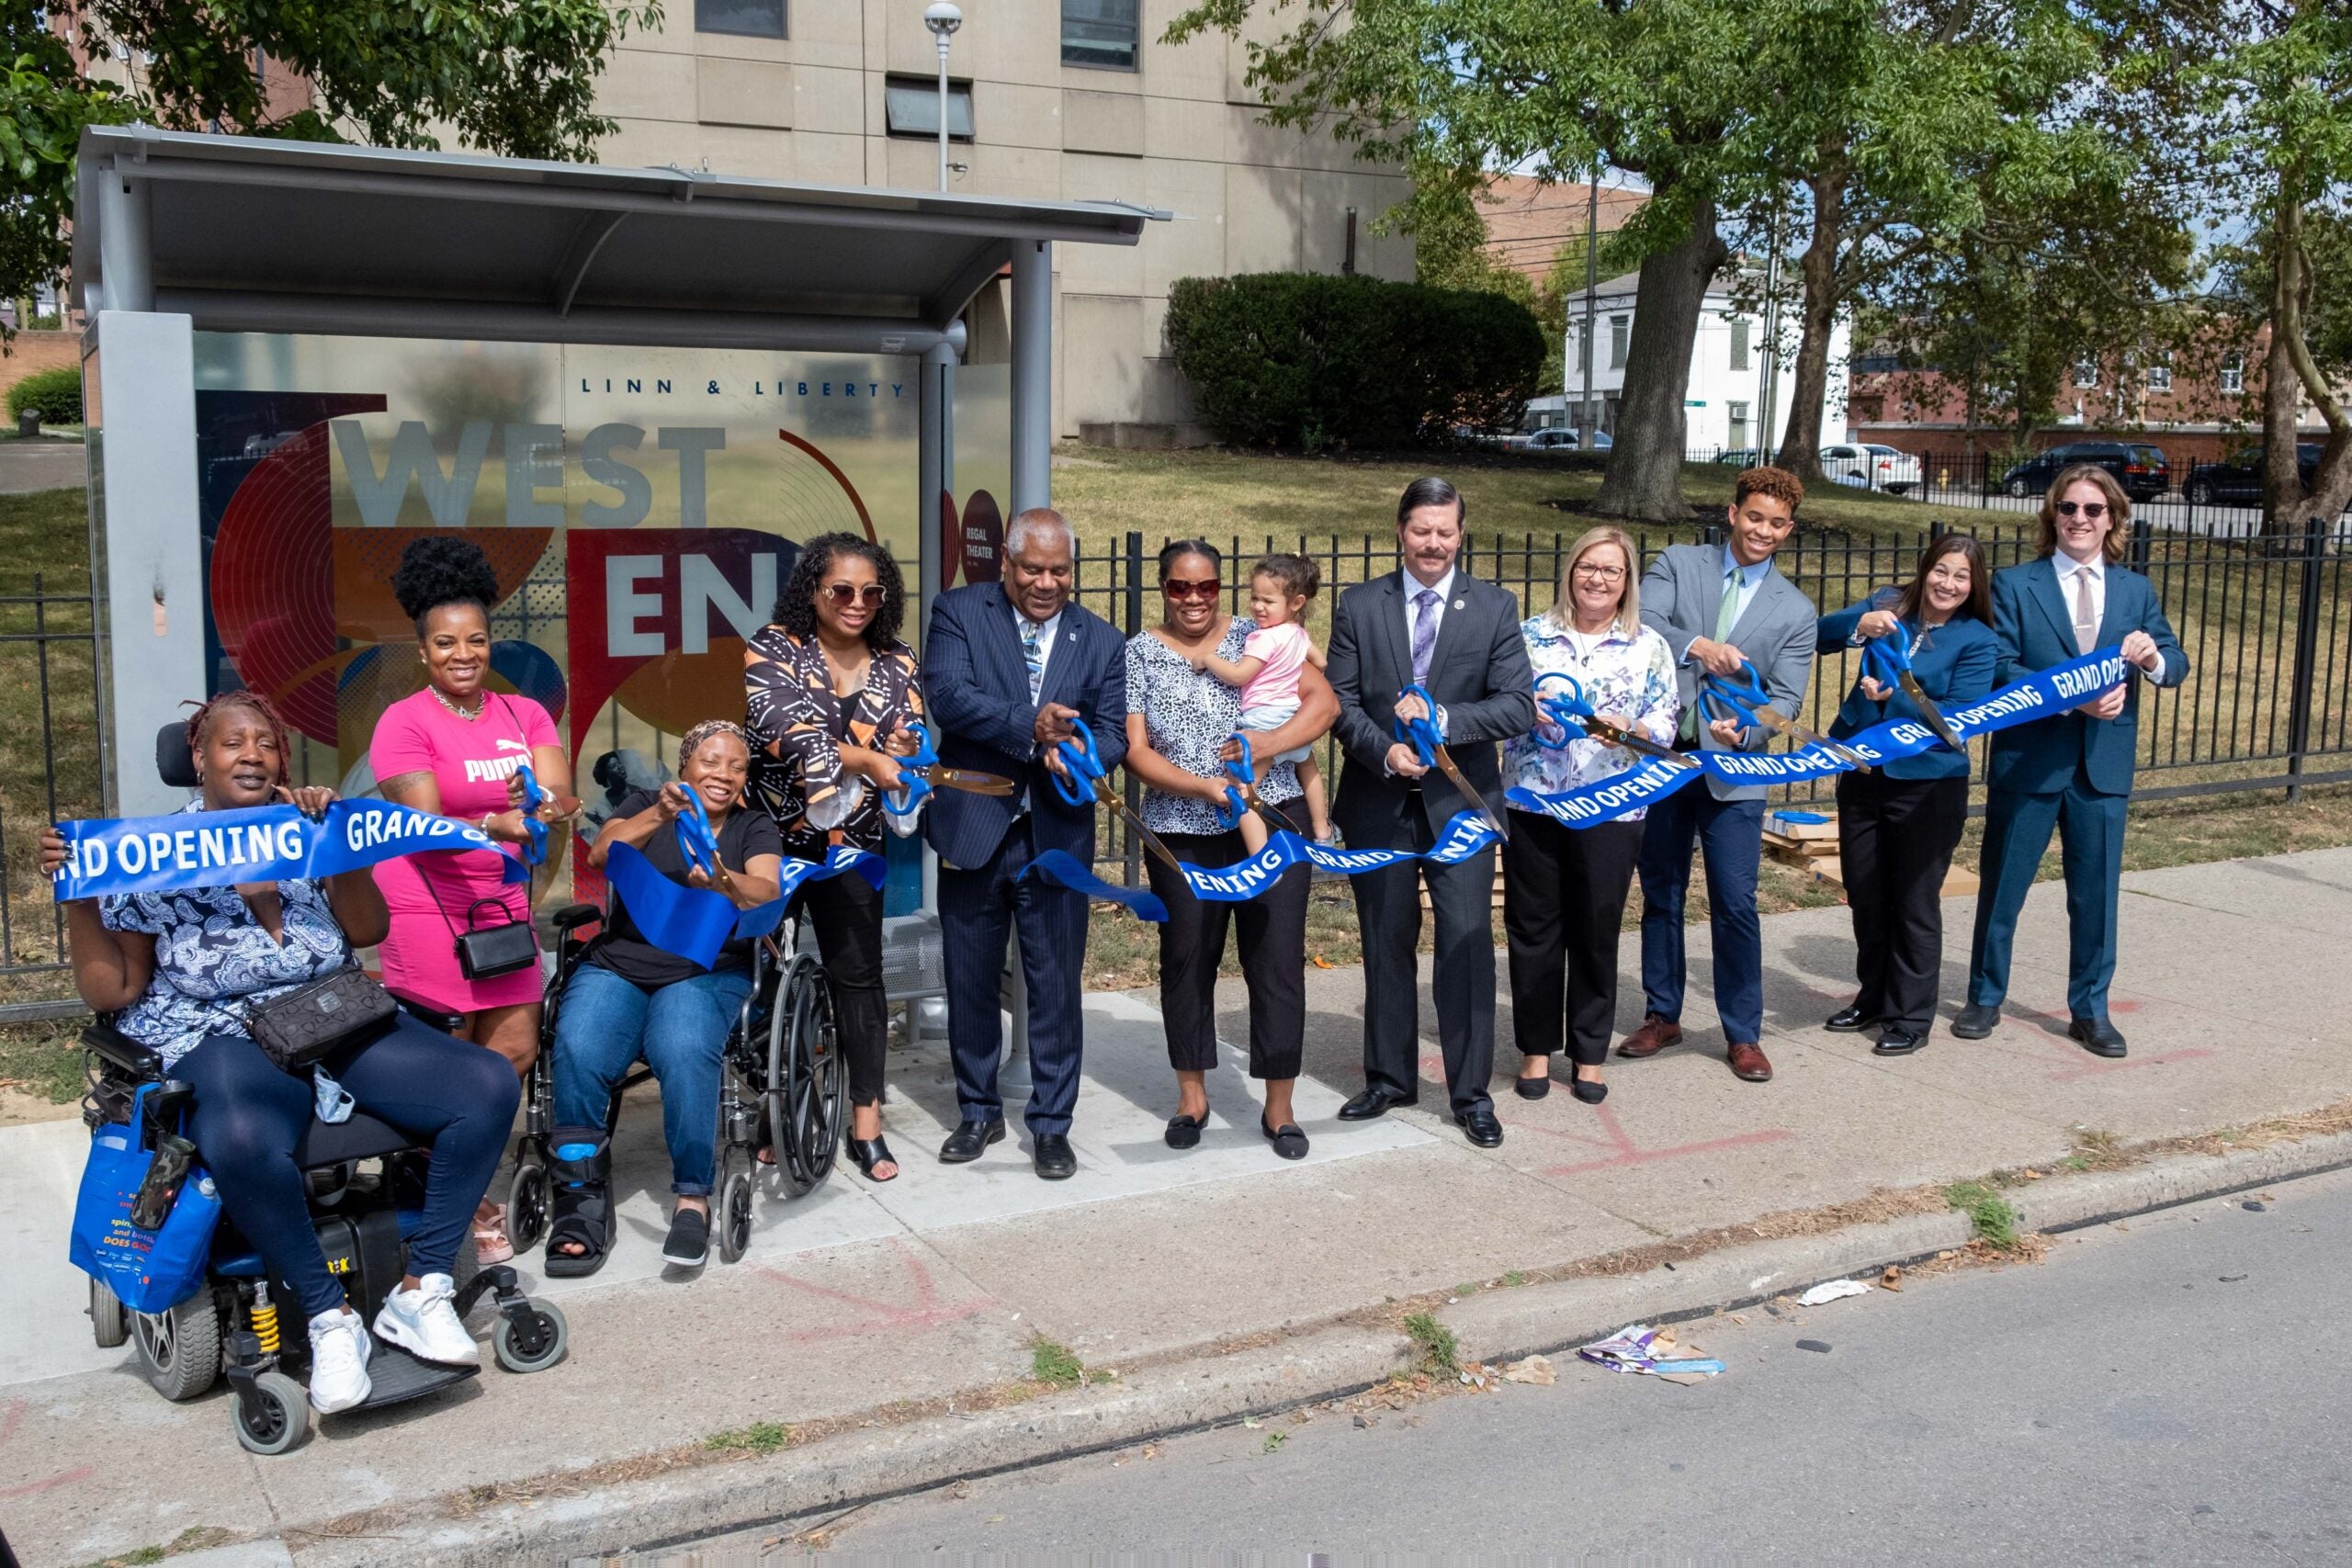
2073 769
1007 667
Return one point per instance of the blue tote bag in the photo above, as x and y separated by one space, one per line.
148 1270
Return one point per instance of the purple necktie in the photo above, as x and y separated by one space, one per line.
1424 634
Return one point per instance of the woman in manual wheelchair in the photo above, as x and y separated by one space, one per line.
178 970
627 998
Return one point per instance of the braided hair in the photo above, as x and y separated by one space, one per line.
200 721
796 606
438 570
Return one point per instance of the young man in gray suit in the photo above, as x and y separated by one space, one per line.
1431 625
1719 607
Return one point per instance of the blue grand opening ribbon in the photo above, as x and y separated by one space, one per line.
694 923
259 843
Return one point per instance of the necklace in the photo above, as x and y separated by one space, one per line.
443 699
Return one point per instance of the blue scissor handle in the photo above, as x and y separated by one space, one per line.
915 785
696 841
1564 709
1242 771
1084 763
1422 732
535 852
1889 657
1721 698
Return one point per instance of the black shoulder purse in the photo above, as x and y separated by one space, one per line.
310 1021
485 952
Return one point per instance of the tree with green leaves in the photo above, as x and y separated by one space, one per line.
516 77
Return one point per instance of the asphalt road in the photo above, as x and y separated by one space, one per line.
2169 1390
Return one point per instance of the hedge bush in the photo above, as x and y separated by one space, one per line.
1310 361
56 391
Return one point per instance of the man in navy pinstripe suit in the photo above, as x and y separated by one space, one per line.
1006 667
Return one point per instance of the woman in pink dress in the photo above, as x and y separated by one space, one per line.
455 748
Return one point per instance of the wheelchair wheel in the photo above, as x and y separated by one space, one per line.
528 1205
109 1323
807 1089
275 1418
179 1351
732 1211
533 1347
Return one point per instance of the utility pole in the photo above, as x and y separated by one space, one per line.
1767 396
1587 422
943 18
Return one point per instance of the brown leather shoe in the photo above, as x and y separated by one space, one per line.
1654 1035
1747 1062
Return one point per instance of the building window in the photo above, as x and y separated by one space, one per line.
2234 374
1621 333
1738 419
750 18
910 107
1738 348
2160 377
1101 33
2086 374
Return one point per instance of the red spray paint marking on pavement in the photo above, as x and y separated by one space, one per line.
925 1312
9 1426
1623 1151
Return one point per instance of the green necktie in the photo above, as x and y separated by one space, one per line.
1725 613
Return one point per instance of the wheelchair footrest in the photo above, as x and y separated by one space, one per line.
395 1375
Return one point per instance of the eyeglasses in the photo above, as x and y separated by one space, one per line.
1601 573
1205 588
2091 508
848 593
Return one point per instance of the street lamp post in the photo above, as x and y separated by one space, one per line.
943 18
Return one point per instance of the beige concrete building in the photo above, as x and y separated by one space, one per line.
1067 99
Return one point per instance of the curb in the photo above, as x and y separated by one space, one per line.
856 1468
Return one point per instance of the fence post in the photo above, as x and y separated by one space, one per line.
2299 713
1134 874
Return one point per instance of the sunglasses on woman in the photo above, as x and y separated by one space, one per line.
2087 508
1203 588
848 593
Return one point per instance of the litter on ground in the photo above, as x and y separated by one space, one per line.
1638 1347
1831 1290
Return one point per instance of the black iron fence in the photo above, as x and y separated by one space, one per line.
2266 625
48 768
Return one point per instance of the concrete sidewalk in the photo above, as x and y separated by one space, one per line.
856 1298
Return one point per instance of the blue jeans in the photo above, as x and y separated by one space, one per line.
1730 835
606 1023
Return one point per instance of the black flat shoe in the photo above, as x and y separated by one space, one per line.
867 1153
2097 1035
1374 1102
688 1246
1533 1089
1053 1157
1897 1043
1848 1021
1288 1140
1589 1092
965 1143
1185 1132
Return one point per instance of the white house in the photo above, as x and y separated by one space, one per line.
1724 407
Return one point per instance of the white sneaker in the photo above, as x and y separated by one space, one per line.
422 1322
339 1348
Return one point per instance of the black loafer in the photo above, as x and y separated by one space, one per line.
1897 1043
1374 1102
1185 1132
1976 1020
965 1143
1480 1126
2097 1035
1848 1021
688 1243
1289 1140
1053 1157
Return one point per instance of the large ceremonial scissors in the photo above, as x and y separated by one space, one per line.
1890 656
921 771
535 851
1422 733
1241 790
1747 700
1088 781
1559 696
698 844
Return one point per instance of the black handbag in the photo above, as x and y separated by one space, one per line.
485 952
308 1021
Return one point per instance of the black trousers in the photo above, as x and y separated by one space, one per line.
848 917
1564 899
1388 907
1895 842
1273 960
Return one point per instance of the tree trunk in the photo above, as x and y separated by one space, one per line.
1644 482
1801 449
2282 483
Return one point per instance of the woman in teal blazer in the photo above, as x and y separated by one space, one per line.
2073 769
1897 826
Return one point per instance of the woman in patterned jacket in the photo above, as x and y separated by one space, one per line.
832 690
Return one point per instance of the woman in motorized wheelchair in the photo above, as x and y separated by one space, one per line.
178 970
626 998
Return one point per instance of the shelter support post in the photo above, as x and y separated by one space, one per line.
1033 374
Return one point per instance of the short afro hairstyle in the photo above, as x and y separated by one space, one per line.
1778 483
796 606
441 569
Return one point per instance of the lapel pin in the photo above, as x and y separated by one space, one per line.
1461 604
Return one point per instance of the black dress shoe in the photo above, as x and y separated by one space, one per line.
1374 1102
2098 1037
1480 1126
1895 1042
1848 1021
1532 1089
1592 1093
1976 1020
965 1143
1054 1160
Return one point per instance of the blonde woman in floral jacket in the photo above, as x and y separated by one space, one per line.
1564 888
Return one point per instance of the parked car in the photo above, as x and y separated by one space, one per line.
2139 469
1871 466
1742 457
1563 438
2238 478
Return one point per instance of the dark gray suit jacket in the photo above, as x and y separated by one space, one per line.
1682 590
1478 673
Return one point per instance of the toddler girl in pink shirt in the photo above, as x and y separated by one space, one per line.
1267 674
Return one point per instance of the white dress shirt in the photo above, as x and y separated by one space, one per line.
1046 630
2095 568
1443 588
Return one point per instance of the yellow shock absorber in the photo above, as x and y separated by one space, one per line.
264 1320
